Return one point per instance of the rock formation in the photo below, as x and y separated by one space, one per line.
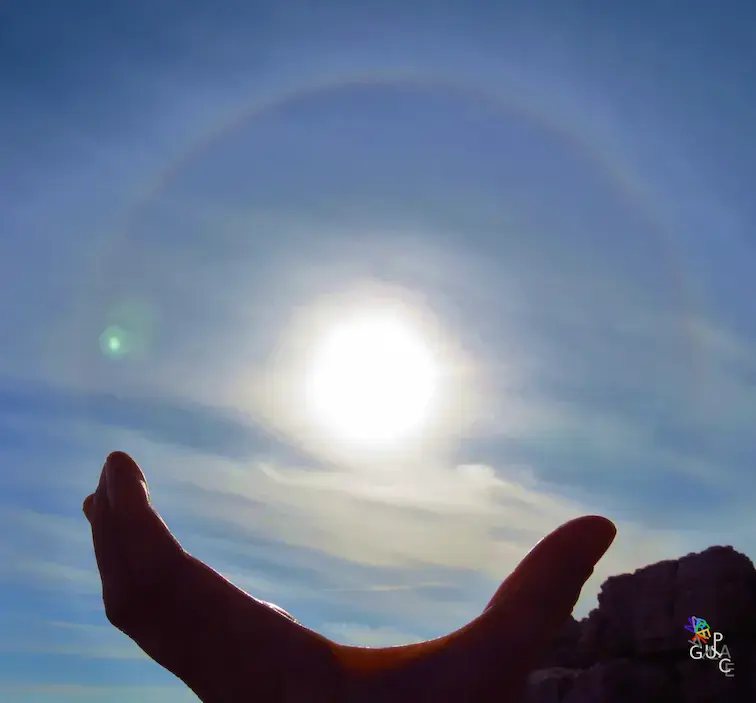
634 645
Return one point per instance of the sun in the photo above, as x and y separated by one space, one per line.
371 380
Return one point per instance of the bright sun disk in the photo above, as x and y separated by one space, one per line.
371 380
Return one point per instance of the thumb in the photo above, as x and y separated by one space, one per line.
538 597
552 575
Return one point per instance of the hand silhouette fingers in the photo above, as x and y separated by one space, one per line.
559 564
187 617
135 551
139 558
503 644
96 510
528 609
489 659
145 540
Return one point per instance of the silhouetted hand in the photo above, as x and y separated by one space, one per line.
231 648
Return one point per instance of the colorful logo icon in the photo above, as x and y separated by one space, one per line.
700 629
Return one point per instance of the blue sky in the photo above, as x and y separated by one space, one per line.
560 193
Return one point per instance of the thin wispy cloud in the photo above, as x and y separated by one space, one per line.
72 639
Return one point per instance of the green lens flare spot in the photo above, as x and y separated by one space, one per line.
114 342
